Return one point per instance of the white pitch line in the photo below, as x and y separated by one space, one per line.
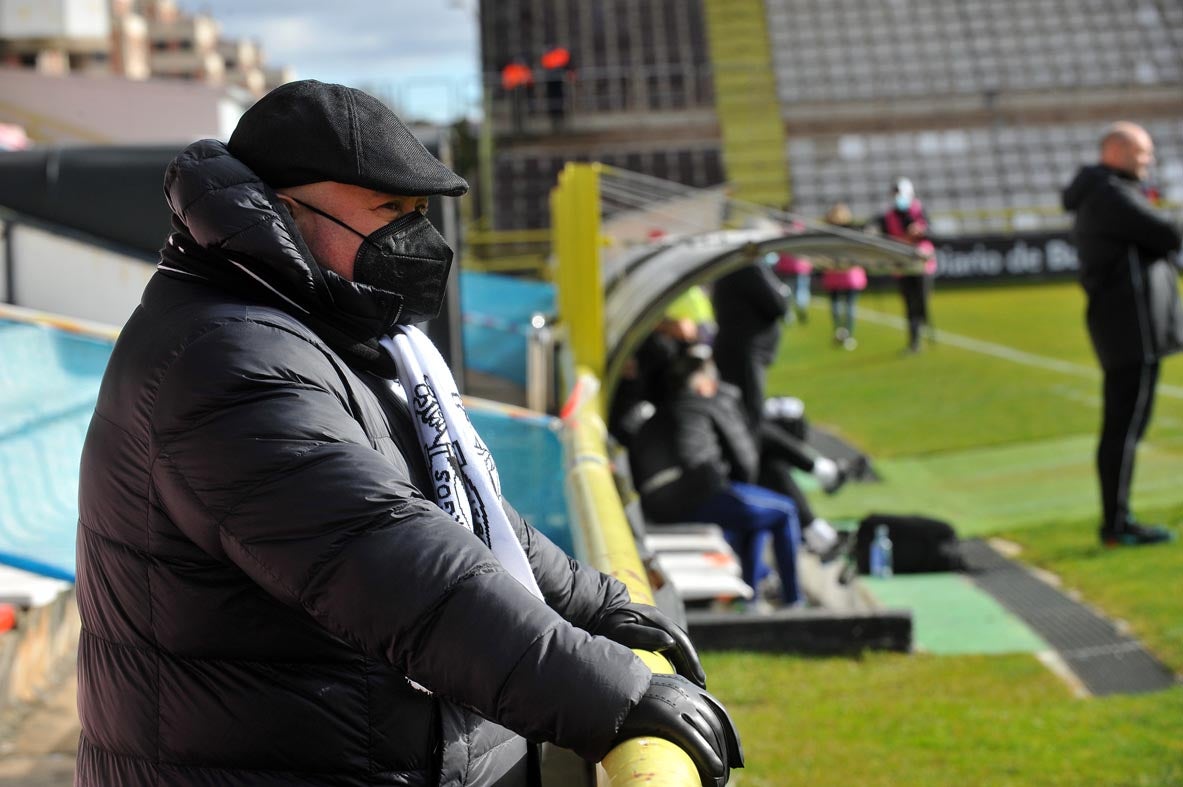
1006 353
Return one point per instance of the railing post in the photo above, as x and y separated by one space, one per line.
540 370
575 227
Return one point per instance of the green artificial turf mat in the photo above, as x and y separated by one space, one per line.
951 615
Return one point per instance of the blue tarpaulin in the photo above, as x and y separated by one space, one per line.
529 456
497 311
49 382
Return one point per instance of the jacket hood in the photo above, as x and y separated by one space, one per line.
1086 181
227 209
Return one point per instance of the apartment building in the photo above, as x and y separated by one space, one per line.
133 39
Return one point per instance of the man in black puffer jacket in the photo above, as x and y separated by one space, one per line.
1134 317
269 595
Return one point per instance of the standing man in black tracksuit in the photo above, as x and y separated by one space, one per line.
1134 316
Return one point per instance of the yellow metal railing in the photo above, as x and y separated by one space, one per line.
602 533
58 322
507 251
533 265
605 540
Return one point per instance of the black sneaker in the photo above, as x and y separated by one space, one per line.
1135 535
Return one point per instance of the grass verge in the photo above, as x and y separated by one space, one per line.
939 720
1001 443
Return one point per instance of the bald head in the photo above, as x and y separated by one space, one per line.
1127 147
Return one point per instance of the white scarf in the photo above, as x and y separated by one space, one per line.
467 486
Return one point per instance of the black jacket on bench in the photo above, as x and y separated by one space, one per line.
690 449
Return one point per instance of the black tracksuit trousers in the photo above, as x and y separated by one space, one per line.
914 289
1129 399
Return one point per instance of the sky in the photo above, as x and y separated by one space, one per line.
420 54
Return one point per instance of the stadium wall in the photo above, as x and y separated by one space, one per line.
1006 257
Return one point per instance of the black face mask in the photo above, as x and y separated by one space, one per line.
407 257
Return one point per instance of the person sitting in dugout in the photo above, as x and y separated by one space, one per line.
780 436
696 460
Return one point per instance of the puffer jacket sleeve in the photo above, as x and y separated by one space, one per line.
696 442
259 462
581 594
1124 216
735 438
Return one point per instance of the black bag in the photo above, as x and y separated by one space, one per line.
919 544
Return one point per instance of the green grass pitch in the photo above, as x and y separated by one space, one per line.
993 427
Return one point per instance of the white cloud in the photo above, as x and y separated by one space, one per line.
400 46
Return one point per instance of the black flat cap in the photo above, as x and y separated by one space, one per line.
309 131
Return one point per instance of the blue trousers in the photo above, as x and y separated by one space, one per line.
801 290
748 514
842 306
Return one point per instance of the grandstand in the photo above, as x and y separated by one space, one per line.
999 178
835 50
988 106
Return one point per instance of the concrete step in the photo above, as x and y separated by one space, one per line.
803 631
38 720
40 751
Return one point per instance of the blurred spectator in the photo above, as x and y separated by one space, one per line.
644 378
750 305
1134 317
795 272
843 284
905 221
557 69
695 305
516 80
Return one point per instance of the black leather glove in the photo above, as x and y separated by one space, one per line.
647 628
675 709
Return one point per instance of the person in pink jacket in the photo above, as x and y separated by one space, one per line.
843 284
905 221
796 272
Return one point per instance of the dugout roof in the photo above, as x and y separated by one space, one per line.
641 283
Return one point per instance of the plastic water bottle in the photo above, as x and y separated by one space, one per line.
881 553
